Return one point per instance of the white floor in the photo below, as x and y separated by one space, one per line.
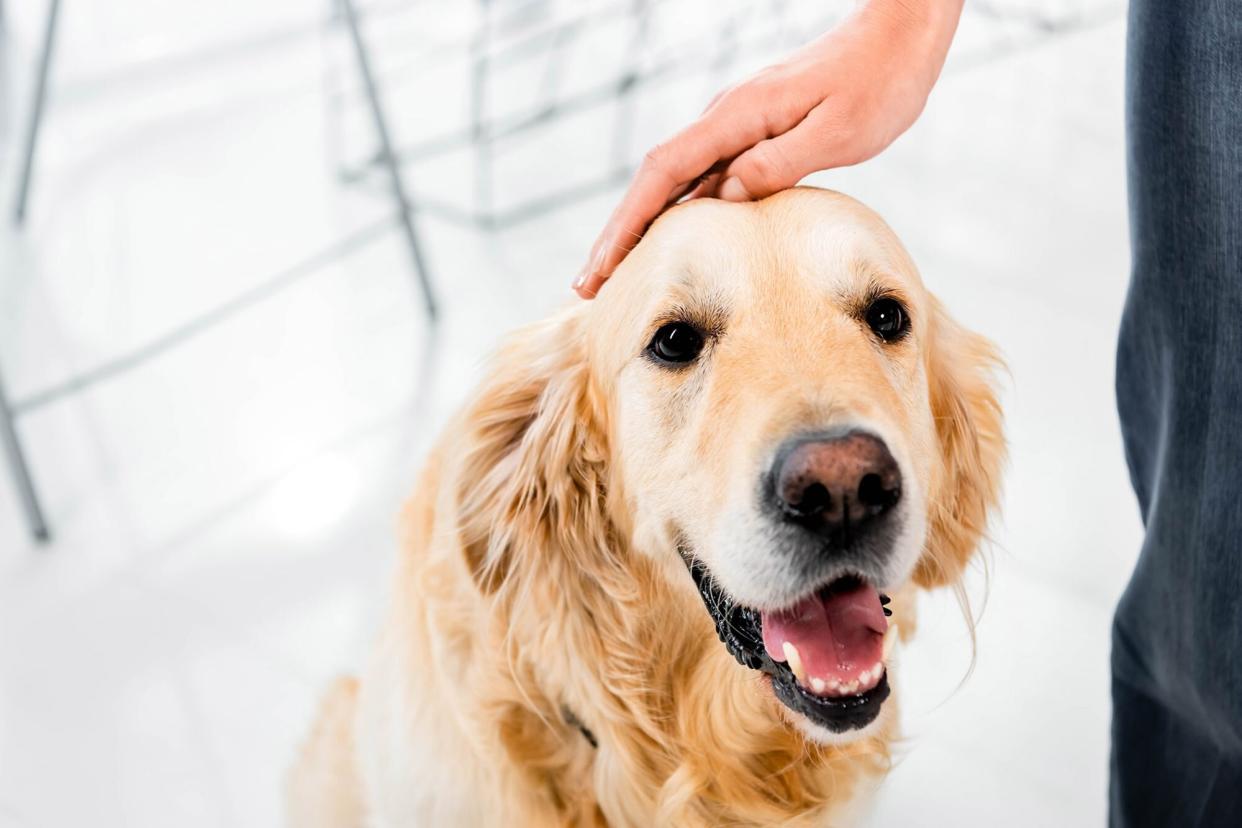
223 512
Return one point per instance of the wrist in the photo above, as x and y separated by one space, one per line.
926 26
917 33
935 18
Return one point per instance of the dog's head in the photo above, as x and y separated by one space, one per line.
767 408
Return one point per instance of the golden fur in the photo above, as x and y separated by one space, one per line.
539 575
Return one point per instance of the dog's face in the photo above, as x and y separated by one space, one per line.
796 419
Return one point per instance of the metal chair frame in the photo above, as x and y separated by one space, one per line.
19 466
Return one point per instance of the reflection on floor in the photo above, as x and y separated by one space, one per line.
224 512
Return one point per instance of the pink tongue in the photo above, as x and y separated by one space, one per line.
838 635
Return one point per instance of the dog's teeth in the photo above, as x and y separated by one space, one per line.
795 662
890 638
851 688
870 678
818 685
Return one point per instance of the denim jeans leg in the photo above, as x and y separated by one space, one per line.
1177 633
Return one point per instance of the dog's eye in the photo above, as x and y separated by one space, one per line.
676 342
887 318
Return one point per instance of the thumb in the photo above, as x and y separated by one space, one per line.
770 166
781 162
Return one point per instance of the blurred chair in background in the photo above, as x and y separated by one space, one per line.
347 12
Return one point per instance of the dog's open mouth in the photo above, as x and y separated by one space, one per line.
825 654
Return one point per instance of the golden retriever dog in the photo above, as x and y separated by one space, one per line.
654 571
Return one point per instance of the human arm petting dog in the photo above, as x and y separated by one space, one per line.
839 100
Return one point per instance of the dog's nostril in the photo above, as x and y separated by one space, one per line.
815 499
871 491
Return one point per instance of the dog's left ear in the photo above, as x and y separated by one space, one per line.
965 486
531 479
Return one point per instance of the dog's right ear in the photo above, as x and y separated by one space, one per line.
530 481
965 490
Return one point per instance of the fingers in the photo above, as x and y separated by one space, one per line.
781 162
708 184
667 173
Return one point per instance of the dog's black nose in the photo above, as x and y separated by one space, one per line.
836 484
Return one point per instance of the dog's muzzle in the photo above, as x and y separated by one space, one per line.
837 708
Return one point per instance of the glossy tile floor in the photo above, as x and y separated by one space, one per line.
224 510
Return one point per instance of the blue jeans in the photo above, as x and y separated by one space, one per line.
1177 634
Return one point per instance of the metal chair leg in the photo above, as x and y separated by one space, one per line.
388 155
36 113
21 472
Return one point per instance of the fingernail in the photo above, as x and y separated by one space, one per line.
732 189
593 266
601 256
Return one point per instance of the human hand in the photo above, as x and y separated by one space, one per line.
837 101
